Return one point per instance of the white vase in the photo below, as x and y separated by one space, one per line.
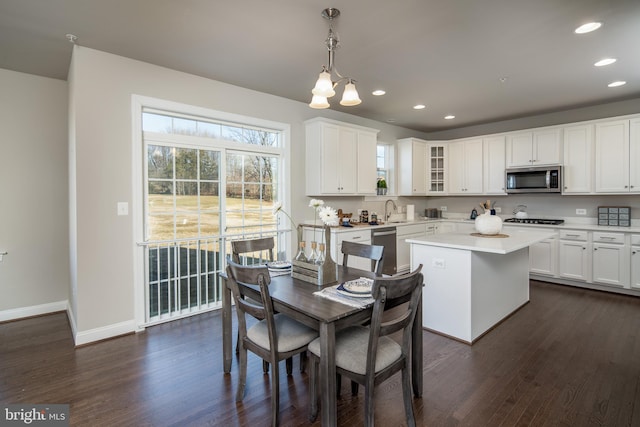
488 224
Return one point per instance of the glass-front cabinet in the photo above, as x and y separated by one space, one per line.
436 168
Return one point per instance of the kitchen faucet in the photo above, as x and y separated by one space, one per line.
395 208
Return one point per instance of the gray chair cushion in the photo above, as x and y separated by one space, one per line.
351 350
291 334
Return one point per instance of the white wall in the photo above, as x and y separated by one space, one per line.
34 277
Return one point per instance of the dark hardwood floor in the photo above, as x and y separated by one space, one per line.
571 357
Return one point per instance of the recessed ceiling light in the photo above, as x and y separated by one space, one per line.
605 61
587 28
616 84
391 120
378 92
450 117
419 107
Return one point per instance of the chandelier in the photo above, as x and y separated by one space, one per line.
326 83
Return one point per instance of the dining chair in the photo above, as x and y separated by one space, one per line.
367 355
258 248
275 337
372 252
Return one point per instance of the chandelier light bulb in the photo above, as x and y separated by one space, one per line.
319 102
324 85
350 96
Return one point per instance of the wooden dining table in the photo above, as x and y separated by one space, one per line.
296 299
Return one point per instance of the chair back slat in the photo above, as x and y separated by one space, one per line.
256 247
372 252
394 291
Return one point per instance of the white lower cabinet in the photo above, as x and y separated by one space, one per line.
403 249
635 261
358 236
610 260
543 257
574 262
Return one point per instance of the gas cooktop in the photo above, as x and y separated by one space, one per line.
535 221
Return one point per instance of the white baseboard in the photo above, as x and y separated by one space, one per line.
34 310
104 332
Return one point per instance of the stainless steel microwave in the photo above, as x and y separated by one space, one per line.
543 179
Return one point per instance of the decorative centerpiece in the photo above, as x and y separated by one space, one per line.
319 268
487 223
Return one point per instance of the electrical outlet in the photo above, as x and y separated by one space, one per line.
438 263
123 208
498 209
443 208
581 211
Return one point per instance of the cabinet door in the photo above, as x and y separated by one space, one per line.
473 166
519 149
574 260
456 168
542 257
634 156
366 170
412 167
546 147
494 165
418 168
578 156
330 153
612 157
436 169
635 267
346 159
609 266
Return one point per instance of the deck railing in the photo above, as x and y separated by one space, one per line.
182 277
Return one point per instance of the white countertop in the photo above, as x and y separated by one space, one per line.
518 239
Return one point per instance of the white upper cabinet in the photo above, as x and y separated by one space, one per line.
613 157
494 164
578 159
437 153
367 171
534 148
465 167
338 157
412 178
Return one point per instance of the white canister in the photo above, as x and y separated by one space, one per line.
411 212
488 224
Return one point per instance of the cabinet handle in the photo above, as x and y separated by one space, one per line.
573 235
356 238
595 249
607 238
633 252
626 186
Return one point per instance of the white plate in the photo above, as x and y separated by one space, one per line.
276 265
361 285
340 289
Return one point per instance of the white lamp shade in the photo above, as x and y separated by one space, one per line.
324 86
350 96
319 102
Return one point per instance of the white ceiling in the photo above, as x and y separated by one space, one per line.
446 54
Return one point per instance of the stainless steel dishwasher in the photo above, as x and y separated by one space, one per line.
386 237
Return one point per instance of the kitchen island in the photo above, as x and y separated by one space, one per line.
472 283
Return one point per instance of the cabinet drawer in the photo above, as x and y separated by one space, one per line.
600 237
574 235
405 230
360 236
635 239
